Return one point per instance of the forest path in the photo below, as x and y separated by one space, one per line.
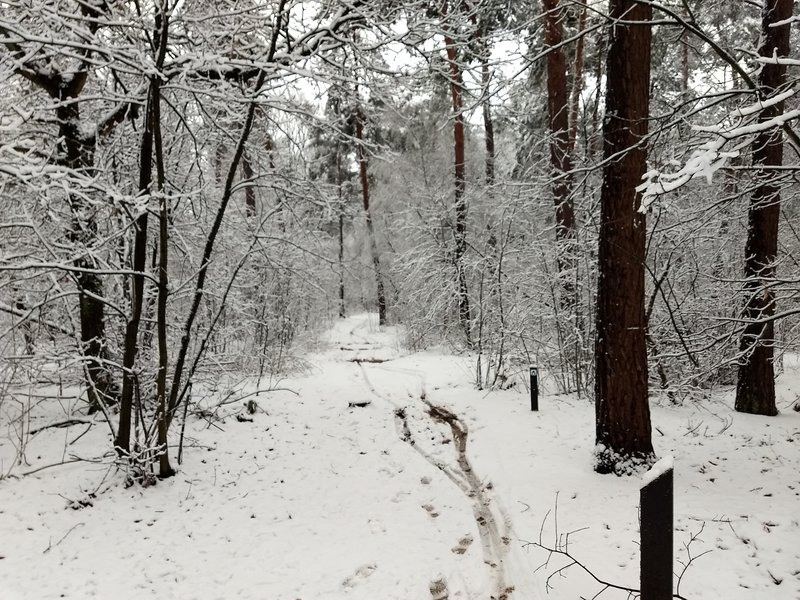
322 496
416 410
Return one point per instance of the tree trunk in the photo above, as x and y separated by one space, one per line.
594 136
77 152
621 404
342 309
493 267
250 190
577 83
755 387
561 180
488 123
165 410
373 244
151 140
460 203
129 381
342 306
684 41
560 162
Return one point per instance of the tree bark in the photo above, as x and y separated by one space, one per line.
77 152
755 386
594 137
621 405
129 380
459 201
561 165
165 410
163 413
559 111
342 305
151 140
577 83
64 83
177 391
249 190
373 244
488 123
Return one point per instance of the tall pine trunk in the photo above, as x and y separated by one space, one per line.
561 165
558 109
621 404
459 201
577 83
755 387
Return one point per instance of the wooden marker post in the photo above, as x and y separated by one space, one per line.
534 388
655 520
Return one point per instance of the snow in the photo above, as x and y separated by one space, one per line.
657 470
759 106
709 157
317 499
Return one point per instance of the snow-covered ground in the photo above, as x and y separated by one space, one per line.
319 498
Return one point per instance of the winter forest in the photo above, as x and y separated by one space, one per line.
274 275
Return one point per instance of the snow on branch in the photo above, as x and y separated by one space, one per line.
788 21
757 107
704 162
710 156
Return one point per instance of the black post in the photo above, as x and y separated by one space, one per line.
534 389
655 527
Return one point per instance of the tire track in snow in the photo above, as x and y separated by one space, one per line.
494 542
488 516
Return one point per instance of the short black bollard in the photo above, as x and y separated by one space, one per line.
534 389
655 529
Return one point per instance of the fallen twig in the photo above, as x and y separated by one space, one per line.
61 424
51 546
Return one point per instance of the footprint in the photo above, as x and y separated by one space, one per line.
463 544
431 510
438 588
400 496
361 573
376 526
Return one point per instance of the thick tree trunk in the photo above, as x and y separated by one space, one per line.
621 404
460 203
373 244
77 152
755 387
558 112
